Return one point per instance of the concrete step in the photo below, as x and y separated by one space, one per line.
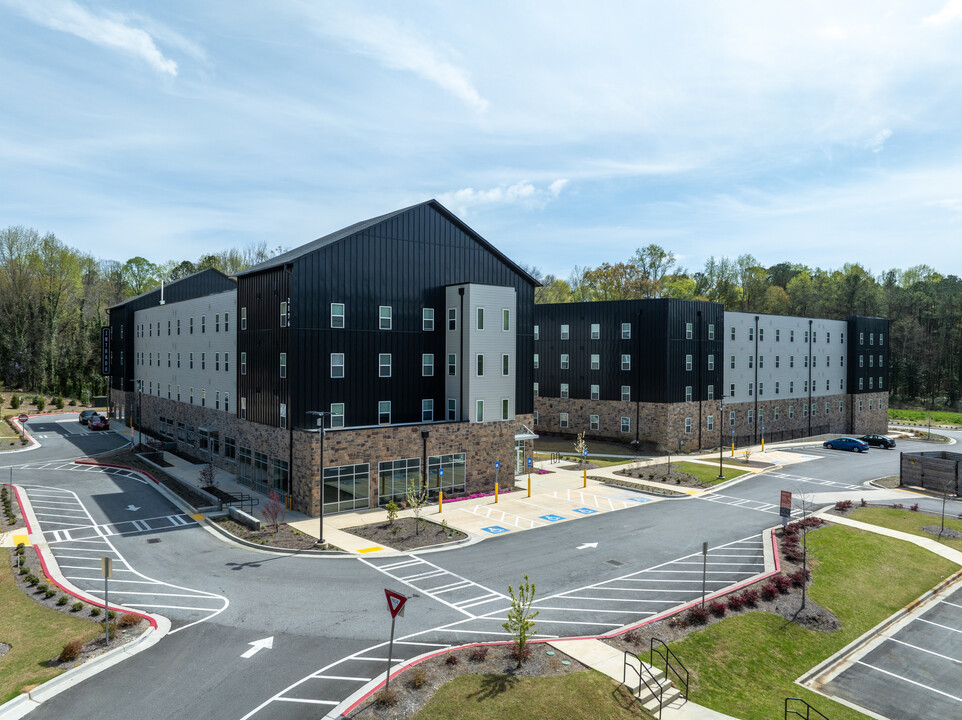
669 696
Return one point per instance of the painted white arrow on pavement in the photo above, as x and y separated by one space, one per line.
587 545
133 508
259 645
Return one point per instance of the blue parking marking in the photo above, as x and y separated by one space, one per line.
640 500
495 529
552 518
585 511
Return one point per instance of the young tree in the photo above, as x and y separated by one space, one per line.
208 477
580 447
520 621
273 510
417 497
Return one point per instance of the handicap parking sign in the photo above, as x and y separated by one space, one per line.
495 530
552 518
585 511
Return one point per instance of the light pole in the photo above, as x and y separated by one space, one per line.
320 414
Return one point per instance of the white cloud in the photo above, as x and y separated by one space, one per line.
952 204
521 193
113 31
877 143
400 47
951 11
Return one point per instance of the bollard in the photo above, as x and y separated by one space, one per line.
529 486
440 499
733 449
763 444
496 492
586 478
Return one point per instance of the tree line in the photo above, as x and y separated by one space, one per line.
923 306
54 300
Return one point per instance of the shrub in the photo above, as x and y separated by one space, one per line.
782 583
77 607
70 652
750 597
49 592
769 591
41 587
24 569
392 511
717 609
863 503
451 659
799 577
419 677
111 615
698 615
479 653
843 505
62 600
794 553
59 402
15 402
40 403
128 620
898 506
914 508
524 654
73 403
32 579
386 698
631 637
94 611
677 621
735 603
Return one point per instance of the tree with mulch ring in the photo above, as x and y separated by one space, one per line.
403 533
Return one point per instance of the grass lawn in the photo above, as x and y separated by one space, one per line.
557 697
572 458
6 431
922 416
747 665
910 522
708 473
36 634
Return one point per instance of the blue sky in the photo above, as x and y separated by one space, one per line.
565 133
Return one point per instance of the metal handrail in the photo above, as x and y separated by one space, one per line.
243 499
667 656
659 690
808 710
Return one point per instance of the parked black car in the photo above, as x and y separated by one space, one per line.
878 441
86 415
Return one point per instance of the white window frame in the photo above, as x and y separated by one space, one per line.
537 361
593 422
385 320
283 316
479 317
452 409
337 366
479 364
383 409
565 361
427 410
282 362
452 364
563 420
505 320
427 364
505 408
595 331
427 319
625 424
626 362
565 391
565 332
337 318
595 392
479 411
384 362
337 415
596 361
626 331
626 393
452 318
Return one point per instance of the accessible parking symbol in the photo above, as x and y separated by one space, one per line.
552 518
495 530
585 511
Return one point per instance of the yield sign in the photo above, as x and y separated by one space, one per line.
395 602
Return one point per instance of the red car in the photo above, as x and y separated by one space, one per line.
98 422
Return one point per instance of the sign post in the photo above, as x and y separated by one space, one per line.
785 506
763 438
395 605
22 418
497 470
107 570
704 571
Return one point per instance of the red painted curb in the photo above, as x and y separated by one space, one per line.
657 618
46 574
122 467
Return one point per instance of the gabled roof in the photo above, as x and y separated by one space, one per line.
366 224
168 286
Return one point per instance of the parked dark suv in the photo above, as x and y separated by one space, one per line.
878 441
86 415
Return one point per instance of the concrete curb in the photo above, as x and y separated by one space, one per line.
267 549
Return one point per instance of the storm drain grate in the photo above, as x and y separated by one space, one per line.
616 563
157 540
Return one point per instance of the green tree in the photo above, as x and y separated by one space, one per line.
520 621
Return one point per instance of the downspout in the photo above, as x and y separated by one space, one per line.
700 378
755 424
637 332
810 363
290 410
464 361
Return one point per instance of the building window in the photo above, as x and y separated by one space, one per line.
452 409
203 324
384 365
778 335
731 418
827 408
625 424
860 406
216 361
761 337
427 365
537 333
505 407
626 362
688 331
564 390
871 338
190 396
732 332
337 364
506 320
861 361
178 393
505 365
190 358
688 363
777 409
751 334
731 361
216 322
480 315
879 382
805 364
394 478
427 411
687 393
711 362
230 448
452 364
216 398
687 426
596 362
710 422
806 336
565 361
283 365
337 315
168 359
777 386
871 383
168 328
595 331
534 390
226 402
203 361
479 365
190 323
384 412
537 417
337 415
479 411
791 361
626 393
283 414
761 361
626 331
791 387
751 389
226 322
537 361
751 417
711 331
805 410
871 361
731 390
452 318
595 394
243 362
841 406
778 361
563 420
243 320
427 319
178 326
711 392
564 332
761 388
385 315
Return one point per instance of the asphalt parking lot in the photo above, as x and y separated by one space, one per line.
912 672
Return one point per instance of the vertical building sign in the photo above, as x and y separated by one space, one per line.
105 351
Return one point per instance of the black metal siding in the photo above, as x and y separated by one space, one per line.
867 327
264 340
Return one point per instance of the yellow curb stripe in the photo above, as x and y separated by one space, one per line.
198 517
370 549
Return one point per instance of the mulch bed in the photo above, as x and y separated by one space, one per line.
286 537
640 487
118 635
431 674
404 534
130 459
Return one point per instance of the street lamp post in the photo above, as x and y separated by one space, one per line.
320 414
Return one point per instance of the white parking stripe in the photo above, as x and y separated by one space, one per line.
905 679
926 650
309 702
944 627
